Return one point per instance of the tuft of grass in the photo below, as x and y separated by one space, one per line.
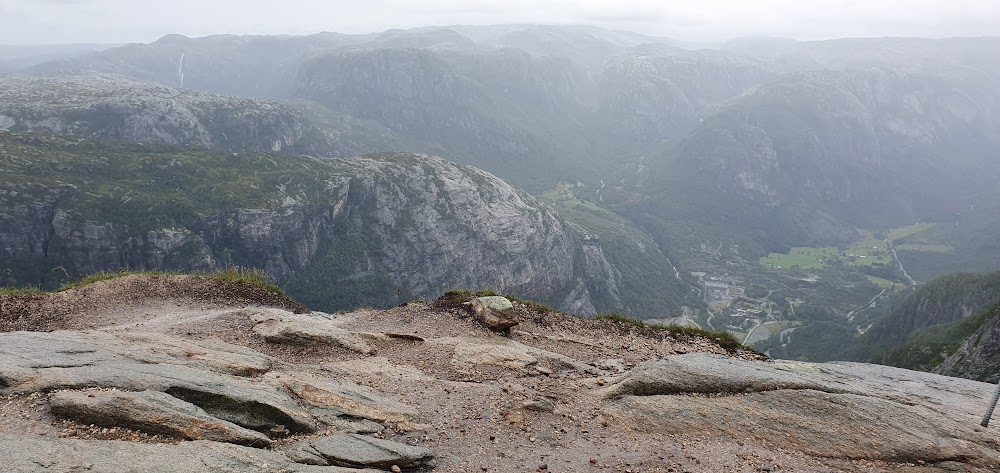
107 275
535 306
237 274
725 340
251 276
465 292
18 291
617 317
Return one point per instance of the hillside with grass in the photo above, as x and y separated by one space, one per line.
929 323
378 230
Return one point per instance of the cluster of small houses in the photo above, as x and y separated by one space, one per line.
728 288
720 288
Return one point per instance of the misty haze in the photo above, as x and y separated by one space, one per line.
333 236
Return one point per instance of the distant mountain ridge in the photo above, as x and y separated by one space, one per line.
722 156
806 157
116 108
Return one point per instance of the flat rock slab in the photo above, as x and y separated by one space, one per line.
839 410
279 326
707 373
348 398
469 355
43 362
152 412
98 456
701 374
354 450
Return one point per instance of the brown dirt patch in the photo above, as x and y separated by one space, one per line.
60 310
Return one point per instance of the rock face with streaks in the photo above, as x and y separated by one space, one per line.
153 412
378 230
978 356
847 410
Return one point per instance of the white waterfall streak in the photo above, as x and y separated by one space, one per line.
180 70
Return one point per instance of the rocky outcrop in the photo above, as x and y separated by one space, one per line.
978 356
36 455
495 313
151 412
153 378
378 230
281 327
359 451
40 362
835 409
345 398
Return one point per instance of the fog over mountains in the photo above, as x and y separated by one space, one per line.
809 185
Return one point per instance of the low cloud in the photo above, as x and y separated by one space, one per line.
65 21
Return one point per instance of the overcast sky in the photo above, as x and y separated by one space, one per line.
117 21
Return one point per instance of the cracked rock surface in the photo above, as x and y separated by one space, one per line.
177 382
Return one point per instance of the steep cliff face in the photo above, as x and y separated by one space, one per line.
412 226
337 233
945 326
945 300
978 357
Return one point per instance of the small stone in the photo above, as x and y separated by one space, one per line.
395 469
539 405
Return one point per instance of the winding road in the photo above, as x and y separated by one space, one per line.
869 305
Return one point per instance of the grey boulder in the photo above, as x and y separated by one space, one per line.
152 412
352 450
498 320
279 326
